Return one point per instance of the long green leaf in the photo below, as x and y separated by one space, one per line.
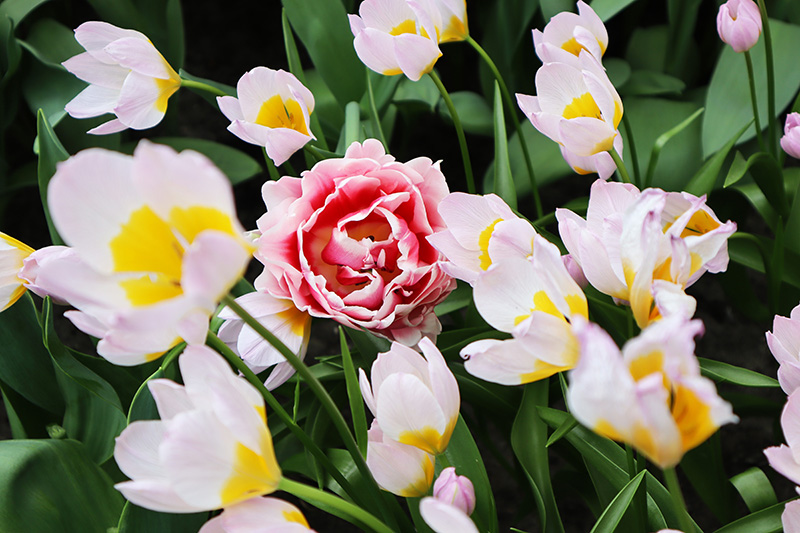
765 521
51 151
724 372
17 10
354 395
755 489
703 182
608 521
503 181
606 9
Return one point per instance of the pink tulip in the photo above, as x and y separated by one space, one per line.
739 24
455 490
790 142
784 343
348 242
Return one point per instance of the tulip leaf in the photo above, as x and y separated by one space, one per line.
663 139
737 171
135 519
53 485
17 10
551 8
422 93
51 151
460 298
765 521
463 454
567 426
324 30
728 104
26 420
93 412
143 406
25 366
704 180
768 176
651 83
704 468
529 442
503 181
647 48
609 520
476 115
354 395
606 9
724 372
755 489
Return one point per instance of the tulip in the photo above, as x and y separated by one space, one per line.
455 490
445 518
651 395
127 75
258 515
212 447
791 516
415 399
401 469
156 243
567 34
785 459
12 256
790 142
739 24
784 343
272 110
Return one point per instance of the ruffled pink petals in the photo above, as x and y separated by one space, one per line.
127 75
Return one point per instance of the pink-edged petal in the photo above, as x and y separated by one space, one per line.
140 56
107 128
398 468
791 517
87 68
171 398
93 101
213 264
415 54
143 101
230 107
409 413
156 495
504 362
445 518
136 449
587 136
782 461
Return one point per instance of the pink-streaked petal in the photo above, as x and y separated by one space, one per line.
87 68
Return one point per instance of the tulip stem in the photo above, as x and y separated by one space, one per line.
671 478
750 75
319 391
442 460
623 173
462 140
333 504
773 138
512 111
634 157
216 343
376 119
271 168
200 86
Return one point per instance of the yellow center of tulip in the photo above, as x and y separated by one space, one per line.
419 487
692 416
296 320
279 113
483 244
166 88
456 30
582 106
252 475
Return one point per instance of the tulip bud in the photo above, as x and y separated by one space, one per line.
739 24
455 490
790 142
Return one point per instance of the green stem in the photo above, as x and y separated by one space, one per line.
329 502
623 173
752 78
773 138
320 153
442 460
200 86
376 119
319 391
462 140
513 112
271 168
289 168
639 504
671 477
634 157
216 343
172 356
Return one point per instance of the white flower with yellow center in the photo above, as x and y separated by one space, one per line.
567 34
12 255
156 242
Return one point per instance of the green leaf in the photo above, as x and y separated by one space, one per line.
723 372
612 515
50 89
235 164
460 298
663 139
728 106
768 176
704 180
51 151
422 92
651 83
354 395
324 30
52 43
567 426
551 8
463 454
25 365
475 113
52 485
143 406
93 412
737 170
704 468
529 442
606 9
135 519
503 181
755 489
765 521
647 48
17 10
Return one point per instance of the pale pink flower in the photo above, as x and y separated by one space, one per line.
784 343
258 515
567 34
401 469
790 142
651 394
791 517
455 490
32 264
12 256
210 449
443 517
629 240
127 75
785 459
347 241
272 110
415 399
282 319
739 24
156 243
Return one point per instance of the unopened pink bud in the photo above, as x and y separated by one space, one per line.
739 24
790 142
455 490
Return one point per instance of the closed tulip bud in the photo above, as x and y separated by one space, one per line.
455 490
739 24
790 142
